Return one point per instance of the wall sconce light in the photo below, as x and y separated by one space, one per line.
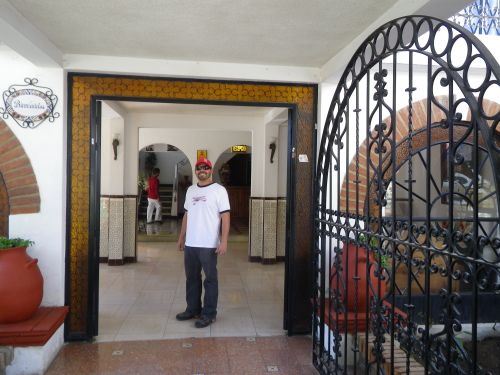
116 142
272 146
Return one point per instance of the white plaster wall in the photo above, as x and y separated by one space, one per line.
166 161
35 360
46 149
271 170
112 171
282 159
187 132
191 69
215 142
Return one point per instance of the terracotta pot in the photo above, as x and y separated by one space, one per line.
351 266
21 285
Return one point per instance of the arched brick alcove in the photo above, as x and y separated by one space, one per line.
419 122
19 180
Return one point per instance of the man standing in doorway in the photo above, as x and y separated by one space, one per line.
204 234
154 197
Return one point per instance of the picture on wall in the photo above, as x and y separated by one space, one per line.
201 154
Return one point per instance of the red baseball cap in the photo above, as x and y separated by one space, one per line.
203 161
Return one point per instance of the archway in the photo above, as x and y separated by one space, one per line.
419 113
18 175
233 170
175 177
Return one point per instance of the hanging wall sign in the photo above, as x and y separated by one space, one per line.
239 148
29 105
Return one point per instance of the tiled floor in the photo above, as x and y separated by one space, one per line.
195 356
139 301
138 333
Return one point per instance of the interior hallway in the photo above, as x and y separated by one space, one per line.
139 301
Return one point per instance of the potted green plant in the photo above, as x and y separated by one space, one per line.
21 282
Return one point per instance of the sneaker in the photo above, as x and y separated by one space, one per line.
150 222
186 315
158 221
203 322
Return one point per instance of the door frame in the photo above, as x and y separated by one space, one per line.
84 92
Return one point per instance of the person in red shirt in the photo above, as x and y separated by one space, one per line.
154 197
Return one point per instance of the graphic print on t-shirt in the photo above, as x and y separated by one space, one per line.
201 198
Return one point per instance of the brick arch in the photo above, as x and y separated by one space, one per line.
18 176
419 116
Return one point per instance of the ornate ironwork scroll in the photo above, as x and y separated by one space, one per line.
481 17
407 222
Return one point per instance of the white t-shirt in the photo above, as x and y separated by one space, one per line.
204 206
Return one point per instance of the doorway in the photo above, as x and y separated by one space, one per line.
84 90
139 300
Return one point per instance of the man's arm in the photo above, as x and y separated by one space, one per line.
182 234
222 248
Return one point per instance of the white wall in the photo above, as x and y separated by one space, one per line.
271 170
166 161
188 141
187 132
112 171
282 159
46 149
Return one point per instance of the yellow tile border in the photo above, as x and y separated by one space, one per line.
83 87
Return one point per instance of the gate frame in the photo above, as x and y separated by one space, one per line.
327 217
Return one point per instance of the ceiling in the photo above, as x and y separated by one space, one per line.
269 32
205 109
272 115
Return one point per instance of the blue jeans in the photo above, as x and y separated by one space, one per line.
195 260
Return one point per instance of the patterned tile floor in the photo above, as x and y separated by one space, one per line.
193 356
139 301
138 333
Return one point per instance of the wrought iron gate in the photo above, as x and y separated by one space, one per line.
407 252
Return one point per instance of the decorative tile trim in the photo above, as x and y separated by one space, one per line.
116 262
281 228
267 230
269 224
256 228
104 229
115 229
83 87
129 227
